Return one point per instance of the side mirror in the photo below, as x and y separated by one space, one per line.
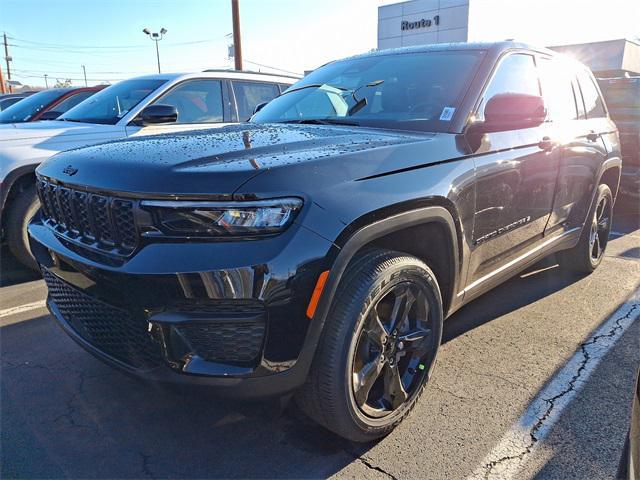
50 115
158 114
512 111
259 107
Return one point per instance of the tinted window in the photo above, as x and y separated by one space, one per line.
592 101
416 91
114 102
251 94
70 102
197 101
515 74
7 102
557 88
26 109
621 93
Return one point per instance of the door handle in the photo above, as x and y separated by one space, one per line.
546 144
592 136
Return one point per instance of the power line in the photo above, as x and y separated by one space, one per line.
272 68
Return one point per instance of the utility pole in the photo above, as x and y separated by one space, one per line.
2 87
84 70
45 80
237 43
8 59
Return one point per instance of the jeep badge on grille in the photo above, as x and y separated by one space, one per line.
69 170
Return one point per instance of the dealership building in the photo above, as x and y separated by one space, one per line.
419 22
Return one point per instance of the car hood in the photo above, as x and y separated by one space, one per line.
208 163
30 132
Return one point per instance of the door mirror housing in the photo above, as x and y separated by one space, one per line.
259 107
158 114
50 115
512 111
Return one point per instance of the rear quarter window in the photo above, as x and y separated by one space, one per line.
593 103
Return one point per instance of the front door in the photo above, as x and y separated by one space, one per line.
515 177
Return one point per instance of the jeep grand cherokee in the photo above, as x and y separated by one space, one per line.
318 249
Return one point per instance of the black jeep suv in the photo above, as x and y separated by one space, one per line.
318 249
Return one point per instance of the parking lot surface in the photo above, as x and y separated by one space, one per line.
535 352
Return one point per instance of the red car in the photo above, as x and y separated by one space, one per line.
47 104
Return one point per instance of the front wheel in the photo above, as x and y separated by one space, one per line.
378 346
589 251
23 208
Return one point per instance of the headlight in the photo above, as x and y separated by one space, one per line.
216 219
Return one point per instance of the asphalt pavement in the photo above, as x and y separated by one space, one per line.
568 343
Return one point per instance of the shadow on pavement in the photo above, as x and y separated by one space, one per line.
12 271
65 414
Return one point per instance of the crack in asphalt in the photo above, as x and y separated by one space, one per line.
489 467
367 463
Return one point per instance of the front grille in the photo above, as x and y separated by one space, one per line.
236 342
111 330
98 221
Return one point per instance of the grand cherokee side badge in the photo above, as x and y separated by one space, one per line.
69 170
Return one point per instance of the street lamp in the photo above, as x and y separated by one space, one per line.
156 37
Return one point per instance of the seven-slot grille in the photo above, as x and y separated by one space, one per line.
98 221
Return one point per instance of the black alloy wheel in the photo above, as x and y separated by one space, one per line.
392 350
378 346
600 228
588 253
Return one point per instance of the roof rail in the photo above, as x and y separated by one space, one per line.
231 70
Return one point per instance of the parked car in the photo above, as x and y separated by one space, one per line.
132 107
46 104
629 465
9 99
318 249
623 99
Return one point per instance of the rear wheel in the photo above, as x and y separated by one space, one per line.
589 252
22 210
378 346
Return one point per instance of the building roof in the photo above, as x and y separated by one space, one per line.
609 57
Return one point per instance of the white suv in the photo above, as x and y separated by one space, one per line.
140 106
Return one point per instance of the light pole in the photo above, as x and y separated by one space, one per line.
156 37
45 80
84 70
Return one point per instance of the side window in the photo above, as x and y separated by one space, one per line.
557 89
197 101
72 101
515 74
593 103
251 94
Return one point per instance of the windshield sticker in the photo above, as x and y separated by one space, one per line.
447 114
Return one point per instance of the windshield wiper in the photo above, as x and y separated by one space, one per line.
322 121
314 85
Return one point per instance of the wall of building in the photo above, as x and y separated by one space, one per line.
418 22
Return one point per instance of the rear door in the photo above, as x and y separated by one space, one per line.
248 95
515 176
582 144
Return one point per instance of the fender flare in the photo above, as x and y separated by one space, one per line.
608 164
10 180
355 242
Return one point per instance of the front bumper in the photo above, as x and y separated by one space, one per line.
232 316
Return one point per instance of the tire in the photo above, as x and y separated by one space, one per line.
23 208
594 238
338 394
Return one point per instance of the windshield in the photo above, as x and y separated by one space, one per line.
111 104
414 91
27 108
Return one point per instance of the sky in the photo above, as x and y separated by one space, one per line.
57 37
